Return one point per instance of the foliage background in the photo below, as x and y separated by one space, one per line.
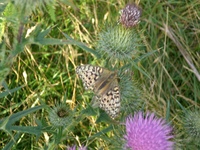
45 66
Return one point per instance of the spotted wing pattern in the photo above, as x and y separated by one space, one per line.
110 101
105 86
89 75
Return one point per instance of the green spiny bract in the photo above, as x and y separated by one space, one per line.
118 43
191 123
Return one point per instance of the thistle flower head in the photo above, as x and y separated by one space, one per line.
191 123
129 90
79 148
130 15
117 43
147 133
60 115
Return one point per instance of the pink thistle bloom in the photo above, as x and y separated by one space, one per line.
130 15
79 148
147 133
72 148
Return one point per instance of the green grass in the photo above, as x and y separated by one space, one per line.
168 79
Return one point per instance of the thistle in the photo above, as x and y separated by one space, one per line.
147 133
131 97
130 15
60 115
79 148
118 43
191 122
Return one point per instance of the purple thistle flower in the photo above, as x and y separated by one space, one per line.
79 148
71 148
130 15
82 148
147 133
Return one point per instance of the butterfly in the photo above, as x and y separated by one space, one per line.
105 86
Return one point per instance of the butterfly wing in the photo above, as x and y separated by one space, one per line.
89 75
105 86
110 101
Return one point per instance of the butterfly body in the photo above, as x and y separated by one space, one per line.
105 86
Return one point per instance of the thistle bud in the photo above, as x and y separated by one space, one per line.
130 15
60 115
